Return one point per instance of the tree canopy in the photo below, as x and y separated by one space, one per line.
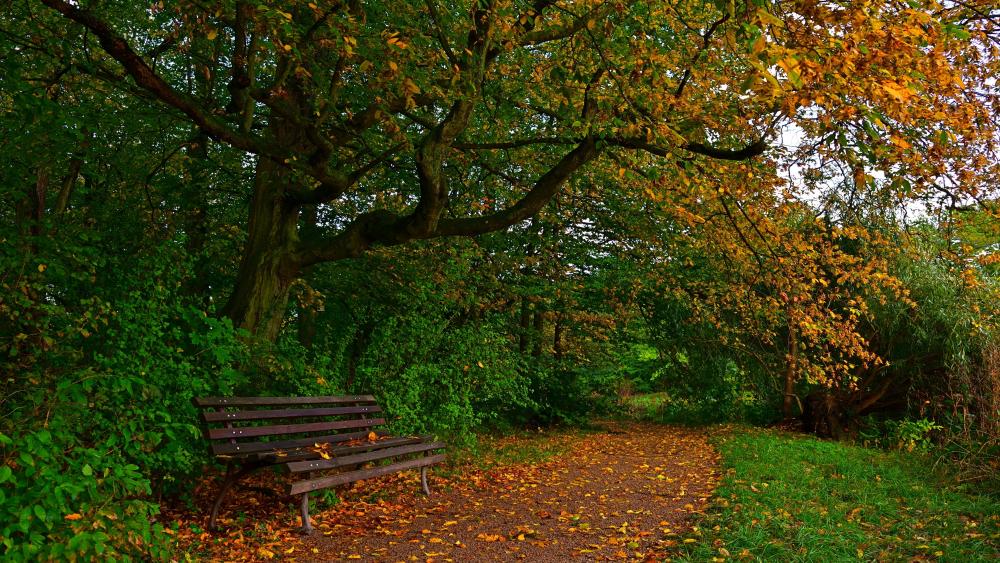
415 120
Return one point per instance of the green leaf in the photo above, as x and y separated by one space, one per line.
88 470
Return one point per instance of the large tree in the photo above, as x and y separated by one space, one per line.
413 119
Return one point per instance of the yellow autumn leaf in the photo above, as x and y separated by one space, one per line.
212 34
900 142
372 436
896 90
74 516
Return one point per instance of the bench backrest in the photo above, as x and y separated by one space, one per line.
246 425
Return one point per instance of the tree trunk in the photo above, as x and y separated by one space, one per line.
523 326
788 404
539 332
557 337
195 217
267 269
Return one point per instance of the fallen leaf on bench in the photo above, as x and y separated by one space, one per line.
324 455
372 436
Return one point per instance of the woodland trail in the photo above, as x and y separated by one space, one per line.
625 492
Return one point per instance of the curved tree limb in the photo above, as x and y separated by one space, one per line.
753 149
144 75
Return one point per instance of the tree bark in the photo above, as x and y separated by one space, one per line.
195 217
539 332
788 404
524 326
557 337
267 268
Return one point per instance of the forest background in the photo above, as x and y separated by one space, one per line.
491 215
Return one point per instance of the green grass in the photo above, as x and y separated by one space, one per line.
792 498
648 403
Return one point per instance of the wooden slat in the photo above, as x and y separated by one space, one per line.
351 476
276 429
243 448
309 453
342 460
236 416
266 401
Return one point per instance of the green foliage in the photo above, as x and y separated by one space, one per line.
562 395
63 499
914 434
906 434
786 498
444 380
98 422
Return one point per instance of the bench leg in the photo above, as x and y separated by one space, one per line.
423 480
232 476
230 480
304 514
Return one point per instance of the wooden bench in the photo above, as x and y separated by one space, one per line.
322 442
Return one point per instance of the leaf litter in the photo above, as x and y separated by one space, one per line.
624 493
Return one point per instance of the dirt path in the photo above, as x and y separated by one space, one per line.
622 494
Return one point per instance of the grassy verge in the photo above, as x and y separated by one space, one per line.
790 498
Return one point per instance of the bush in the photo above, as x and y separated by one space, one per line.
96 428
63 500
436 378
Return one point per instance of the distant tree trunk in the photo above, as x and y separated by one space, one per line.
557 337
524 325
33 207
196 217
788 404
307 327
357 349
539 331
70 180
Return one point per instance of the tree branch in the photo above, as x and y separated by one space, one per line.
388 229
754 149
116 46
543 191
